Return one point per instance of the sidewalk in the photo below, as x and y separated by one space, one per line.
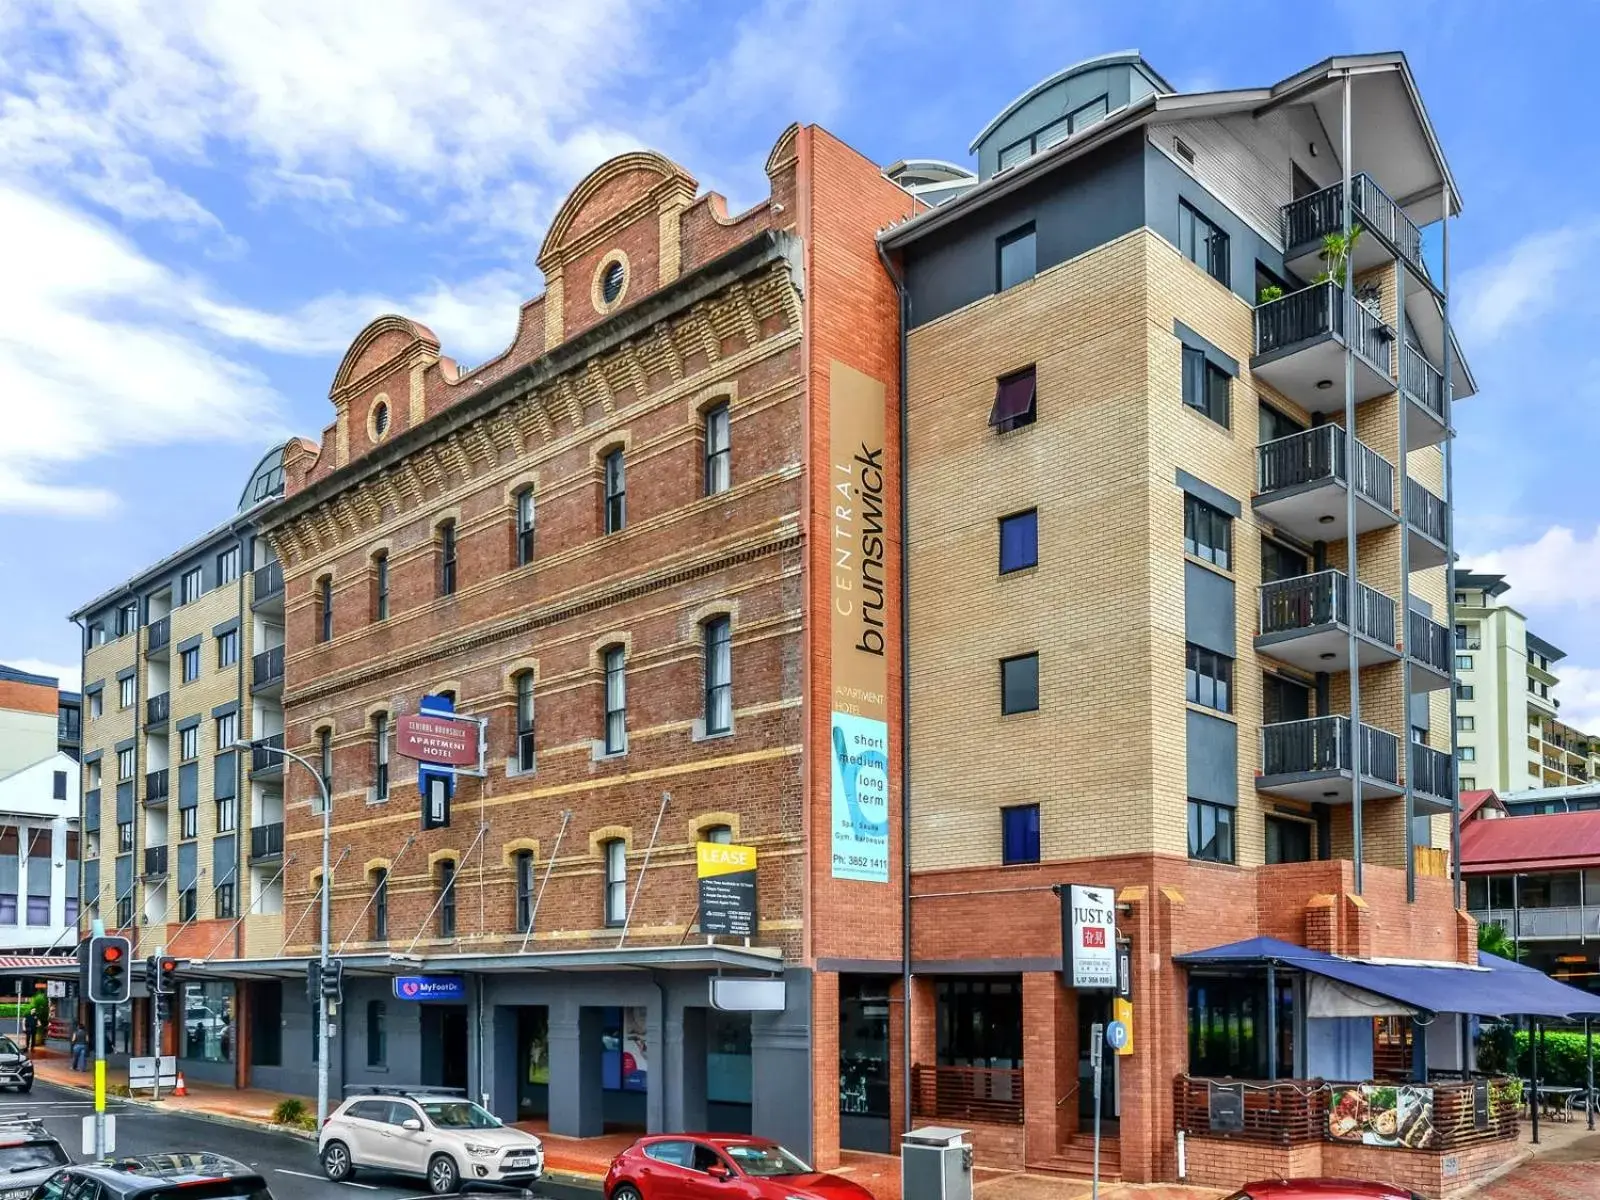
204 1099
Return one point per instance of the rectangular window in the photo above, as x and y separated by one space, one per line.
524 863
1465 724
1208 678
447 559
125 763
1210 832
1015 258
1015 153
189 664
1203 243
228 648
719 675
189 743
377 1034
94 774
228 566
719 451
1467 753
380 905
1207 533
97 705
325 609
616 701
1016 401
616 852
128 619
1288 841
97 634
1464 663
125 837
227 731
190 586
226 904
447 898
526 517
125 692
1019 834
124 913
525 731
227 814
187 903
188 823
380 757
60 786
1019 684
616 484
1019 541
1468 783
1464 691
1205 386
325 762
380 587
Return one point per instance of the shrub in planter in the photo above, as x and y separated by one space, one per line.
289 1112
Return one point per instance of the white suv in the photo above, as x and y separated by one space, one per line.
438 1135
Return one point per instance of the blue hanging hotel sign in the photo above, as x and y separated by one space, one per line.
430 987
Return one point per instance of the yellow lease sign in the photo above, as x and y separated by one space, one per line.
1122 1010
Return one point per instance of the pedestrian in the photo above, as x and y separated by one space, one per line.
80 1048
31 1028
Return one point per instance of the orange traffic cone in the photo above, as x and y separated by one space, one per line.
180 1090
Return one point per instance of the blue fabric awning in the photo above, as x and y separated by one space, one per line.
1495 988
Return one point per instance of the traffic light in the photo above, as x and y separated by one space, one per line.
314 983
108 969
162 973
333 981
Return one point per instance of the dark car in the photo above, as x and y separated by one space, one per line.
689 1166
1322 1189
29 1155
16 1068
202 1176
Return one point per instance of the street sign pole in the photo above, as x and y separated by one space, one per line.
1097 1034
99 1066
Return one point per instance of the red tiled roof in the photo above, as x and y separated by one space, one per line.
1471 802
1546 842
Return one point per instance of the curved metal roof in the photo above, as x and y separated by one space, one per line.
266 481
1130 57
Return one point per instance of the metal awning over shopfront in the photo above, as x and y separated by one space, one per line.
701 957
38 966
1495 987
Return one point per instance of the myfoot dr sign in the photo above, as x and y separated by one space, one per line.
1089 936
430 987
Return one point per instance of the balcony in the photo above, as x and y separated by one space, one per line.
1310 761
158 636
264 761
1305 622
157 710
156 788
1300 341
1543 924
266 841
266 671
1422 384
1306 221
267 591
1433 780
1429 527
1301 481
155 862
1428 646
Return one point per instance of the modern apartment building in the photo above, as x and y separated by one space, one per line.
38 819
183 833
1176 628
1509 737
654 546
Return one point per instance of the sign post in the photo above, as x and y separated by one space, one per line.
1096 1052
727 877
1089 937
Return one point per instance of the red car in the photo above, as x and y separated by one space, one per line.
1321 1189
689 1166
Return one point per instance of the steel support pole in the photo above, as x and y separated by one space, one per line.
1450 545
1346 313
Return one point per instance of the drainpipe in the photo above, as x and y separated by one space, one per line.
1450 548
1405 583
905 696
240 786
1352 581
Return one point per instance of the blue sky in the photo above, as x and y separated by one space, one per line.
203 202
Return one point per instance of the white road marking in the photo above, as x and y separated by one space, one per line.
307 1175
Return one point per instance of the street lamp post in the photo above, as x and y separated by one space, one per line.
327 836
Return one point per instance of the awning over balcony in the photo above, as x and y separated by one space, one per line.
1494 988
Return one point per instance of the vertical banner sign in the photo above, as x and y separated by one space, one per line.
857 552
1089 937
727 889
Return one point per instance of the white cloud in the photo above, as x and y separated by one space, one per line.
1579 693
1560 568
69 679
1526 282
319 196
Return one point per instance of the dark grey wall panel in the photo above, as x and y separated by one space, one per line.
1213 758
1208 609
780 1050
1201 490
188 785
1166 184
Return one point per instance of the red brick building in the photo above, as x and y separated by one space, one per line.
655 546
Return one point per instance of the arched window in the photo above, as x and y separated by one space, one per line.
616 700
719 450
325 609
380 586
447 898
380 905
721 834
718 635
616 895
525 522
447 558
380 757
524 756
524 869
616 512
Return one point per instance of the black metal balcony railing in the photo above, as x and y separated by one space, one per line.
1422 381
156 787
267 667
158 634
264 756
268 580
1308 601
157 709
1426 512
1322 744
1323 309
155 861
1431 771
266 841
1429 642
1311 218
1318 454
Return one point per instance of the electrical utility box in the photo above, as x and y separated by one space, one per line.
936 1164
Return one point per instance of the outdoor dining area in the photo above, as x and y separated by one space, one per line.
1308 1063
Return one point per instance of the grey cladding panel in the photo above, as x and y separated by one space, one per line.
1214 356
1166 184
1209 619
189 785
225 776
124 875
1213 758
124 802
223 859
190 643
1201 490
188 864
90 892
1419 711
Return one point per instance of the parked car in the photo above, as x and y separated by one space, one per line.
436 1134
203 1176
1322 1189
689 1166
29 1154
16 1067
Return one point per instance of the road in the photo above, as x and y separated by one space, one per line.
288 1163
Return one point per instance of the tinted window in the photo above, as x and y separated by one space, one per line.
243 1187
1019 684
767 1161
1017 260
1019 541
31 1156
679 1154
705 1158
370 1110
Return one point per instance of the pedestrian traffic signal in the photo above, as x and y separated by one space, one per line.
108 969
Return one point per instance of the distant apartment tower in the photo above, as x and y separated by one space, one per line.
38 819
183 833
1509 737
